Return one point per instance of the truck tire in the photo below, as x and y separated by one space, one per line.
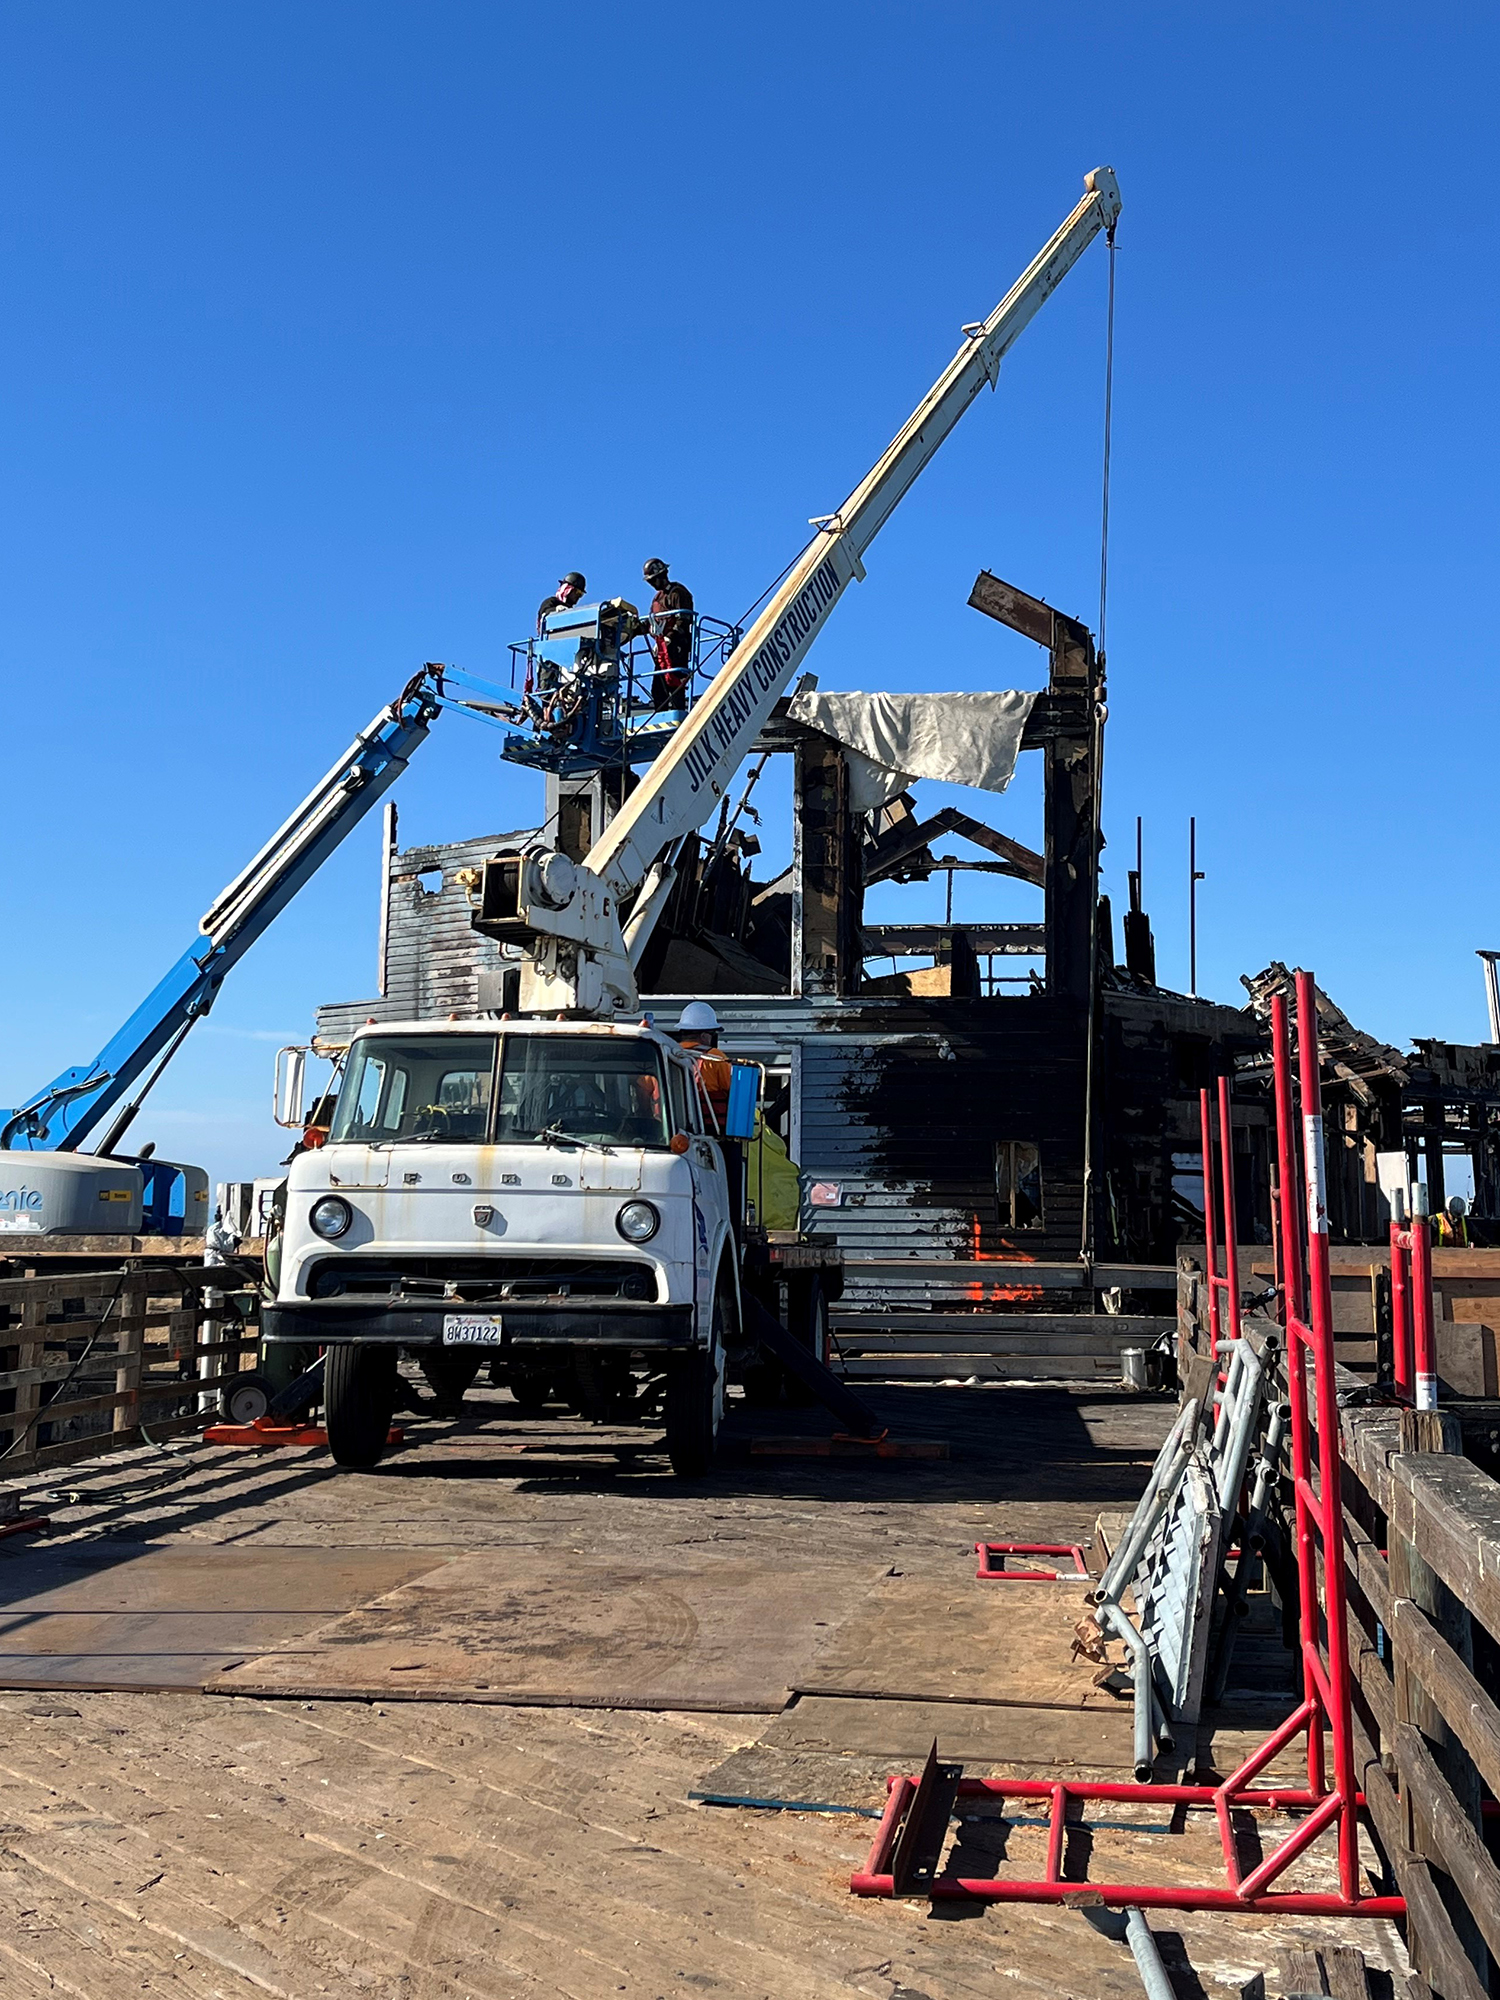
695 1397
359 1400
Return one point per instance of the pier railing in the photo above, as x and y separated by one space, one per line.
1422 1558
1420 1549
1422 1582
94 1360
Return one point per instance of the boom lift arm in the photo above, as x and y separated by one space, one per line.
567 913
61 1116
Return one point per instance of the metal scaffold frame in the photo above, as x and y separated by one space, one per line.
917 1809
1225 1326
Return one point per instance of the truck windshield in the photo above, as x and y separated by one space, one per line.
592 1089
406 1089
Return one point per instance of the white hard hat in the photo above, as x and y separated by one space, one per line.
699 1017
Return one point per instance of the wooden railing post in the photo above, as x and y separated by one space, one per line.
1432 1432
29 1351
130 1335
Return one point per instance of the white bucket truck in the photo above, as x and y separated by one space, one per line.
546 1193
549 1186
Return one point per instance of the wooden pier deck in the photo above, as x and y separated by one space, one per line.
441 1799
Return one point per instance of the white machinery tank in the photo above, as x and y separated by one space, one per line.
68 1194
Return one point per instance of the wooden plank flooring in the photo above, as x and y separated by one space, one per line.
197 1845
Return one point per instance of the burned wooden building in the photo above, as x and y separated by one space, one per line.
1394 1119
935 1113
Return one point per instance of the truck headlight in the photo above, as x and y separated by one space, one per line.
331 1216
638 1222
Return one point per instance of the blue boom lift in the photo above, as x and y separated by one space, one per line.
62 1115
583 705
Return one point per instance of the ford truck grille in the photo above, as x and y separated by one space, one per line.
480 1280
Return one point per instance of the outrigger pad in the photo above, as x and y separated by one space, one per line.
918 1845
835 1395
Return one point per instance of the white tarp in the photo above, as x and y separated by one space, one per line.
964 739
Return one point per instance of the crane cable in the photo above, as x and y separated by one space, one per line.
1109 404
1086 1246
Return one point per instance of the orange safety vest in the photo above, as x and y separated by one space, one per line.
714 1073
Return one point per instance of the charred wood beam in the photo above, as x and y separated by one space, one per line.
1024 863
827 889
1066 730
915 940
907 842
1070 644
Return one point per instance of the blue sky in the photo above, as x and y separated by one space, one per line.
335 332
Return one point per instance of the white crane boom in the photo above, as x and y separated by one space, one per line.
691 774
579 958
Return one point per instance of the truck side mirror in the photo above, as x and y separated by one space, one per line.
290 1087
744 1100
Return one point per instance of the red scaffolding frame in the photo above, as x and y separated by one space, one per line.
1226 1325
911 1822
1412 1354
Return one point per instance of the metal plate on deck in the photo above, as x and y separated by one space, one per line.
158 1618
562 1629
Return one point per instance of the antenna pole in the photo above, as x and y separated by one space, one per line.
1195 876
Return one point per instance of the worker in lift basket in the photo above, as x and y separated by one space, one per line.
671 628
569 592
698 1032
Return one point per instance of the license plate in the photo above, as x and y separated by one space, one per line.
483 1330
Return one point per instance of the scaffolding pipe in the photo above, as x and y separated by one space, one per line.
1158 1497
1330 1521
1163 1459
1401 1356
1161 1722
1147 1958
1421 1300
1140 1653
1231 1278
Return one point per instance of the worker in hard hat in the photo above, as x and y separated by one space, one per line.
671 628
570 590
1450 1226
698 1031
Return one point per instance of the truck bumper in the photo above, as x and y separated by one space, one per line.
618 1324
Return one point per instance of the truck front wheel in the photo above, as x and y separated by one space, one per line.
359 1400
695 1397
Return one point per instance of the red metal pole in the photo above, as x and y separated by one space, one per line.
1231 1251
1421 1302
1290 1232
1277 1260
1401 1355
1330 1451
1210 1270
1292 1303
